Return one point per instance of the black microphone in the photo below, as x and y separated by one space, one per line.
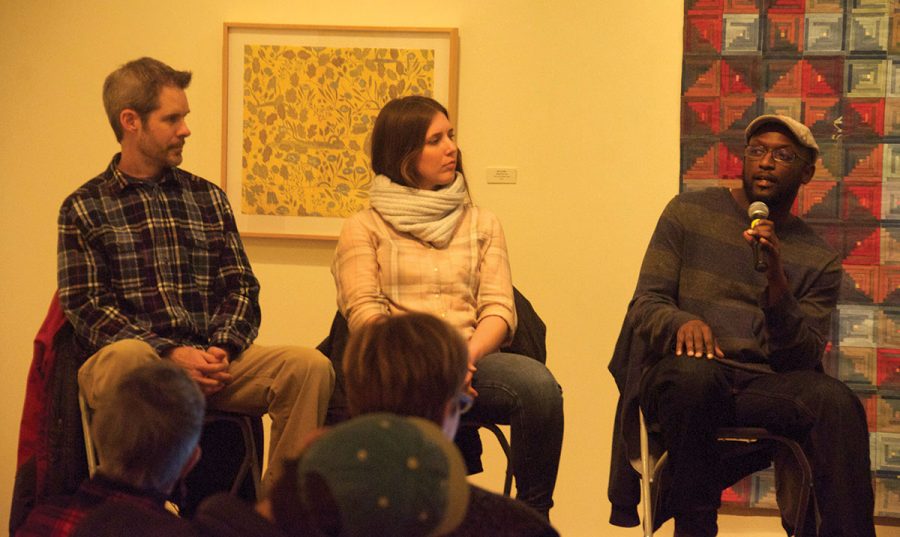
758 211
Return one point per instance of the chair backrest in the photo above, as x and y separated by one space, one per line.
529 340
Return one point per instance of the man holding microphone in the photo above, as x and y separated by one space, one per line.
731 316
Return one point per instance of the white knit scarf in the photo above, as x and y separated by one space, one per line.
428 215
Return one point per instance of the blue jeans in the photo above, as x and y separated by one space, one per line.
521 392
690 398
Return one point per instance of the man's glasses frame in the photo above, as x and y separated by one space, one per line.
781 155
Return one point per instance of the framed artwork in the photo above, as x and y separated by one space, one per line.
299 103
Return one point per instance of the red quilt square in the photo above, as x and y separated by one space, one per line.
703 34
740 76
787 6
784 33
862 245
823 77
889 368
700 116
863 162
731 160
703 6
864 118
784 78
742 6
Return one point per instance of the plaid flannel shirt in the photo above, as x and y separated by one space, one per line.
60 516
159 261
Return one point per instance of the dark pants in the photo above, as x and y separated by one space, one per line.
690 398
521 392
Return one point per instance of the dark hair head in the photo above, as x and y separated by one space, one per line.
136 86
410 364
399 136
304 507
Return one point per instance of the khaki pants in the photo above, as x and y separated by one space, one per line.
292 384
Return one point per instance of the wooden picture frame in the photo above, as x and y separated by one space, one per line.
298 105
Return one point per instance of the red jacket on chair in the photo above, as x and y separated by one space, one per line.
51 457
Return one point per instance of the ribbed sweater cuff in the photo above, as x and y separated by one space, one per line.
624 516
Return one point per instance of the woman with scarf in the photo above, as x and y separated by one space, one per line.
423 246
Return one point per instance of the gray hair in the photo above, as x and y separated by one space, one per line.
150 425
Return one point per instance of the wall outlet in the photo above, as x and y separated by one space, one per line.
502 176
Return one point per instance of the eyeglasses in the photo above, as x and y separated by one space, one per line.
781 155
464 402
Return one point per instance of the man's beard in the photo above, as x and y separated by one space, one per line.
779 200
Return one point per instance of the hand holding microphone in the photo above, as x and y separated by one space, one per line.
766 251
758 211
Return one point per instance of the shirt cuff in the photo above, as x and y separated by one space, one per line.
358 317
504 313
232 349
162 346
230 340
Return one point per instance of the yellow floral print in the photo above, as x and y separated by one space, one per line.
308 116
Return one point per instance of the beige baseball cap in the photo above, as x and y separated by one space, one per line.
800 131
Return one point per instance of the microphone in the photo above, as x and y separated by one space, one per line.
758 211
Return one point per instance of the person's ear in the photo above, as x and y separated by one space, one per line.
129 120
808 172
191 462
450 422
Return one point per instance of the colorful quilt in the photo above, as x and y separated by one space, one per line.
835 66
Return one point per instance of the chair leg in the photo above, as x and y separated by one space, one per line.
250 464
90 450
244 469
252 458
806 484
805 481
504 445
647 478
650 469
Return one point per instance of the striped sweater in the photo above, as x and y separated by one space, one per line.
698 266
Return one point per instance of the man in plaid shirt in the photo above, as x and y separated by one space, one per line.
151 265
